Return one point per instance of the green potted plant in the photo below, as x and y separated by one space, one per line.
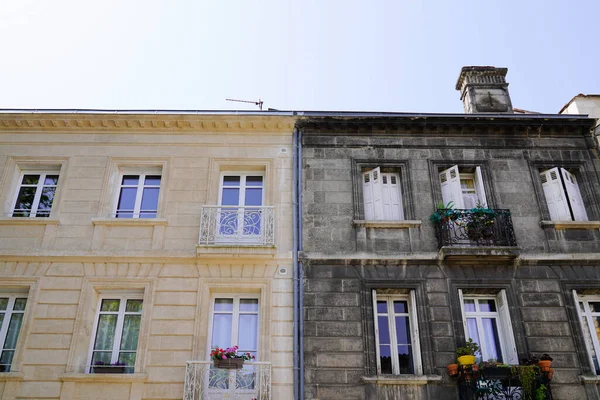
479 224
466 353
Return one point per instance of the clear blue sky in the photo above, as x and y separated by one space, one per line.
395 55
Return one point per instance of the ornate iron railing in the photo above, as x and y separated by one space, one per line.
503 383
249 225
474 227
205 382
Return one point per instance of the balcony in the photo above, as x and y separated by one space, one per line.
474 233
205 382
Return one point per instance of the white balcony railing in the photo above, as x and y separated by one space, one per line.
205 382
249 225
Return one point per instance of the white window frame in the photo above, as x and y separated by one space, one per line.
414 329
242 186
587 325
562 195
8 313
122 297
235 321
508 349
382 199
38 192
139 193
452 190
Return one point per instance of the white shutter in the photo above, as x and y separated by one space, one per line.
507 338
462 313
479 187
584 326
555 195
391 197
574 195
416 343
451 190
377 189
368 195
376 332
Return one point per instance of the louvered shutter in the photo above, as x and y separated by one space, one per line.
462 312
391 197
555 195
414 322
585 326
574 194
368 195
479 187
509 348
451 190
377 192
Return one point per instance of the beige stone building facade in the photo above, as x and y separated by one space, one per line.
141 241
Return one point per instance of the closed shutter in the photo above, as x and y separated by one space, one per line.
507 337
368 195
377 189
574 194
451 190
555 195
391 197
479 187
416 343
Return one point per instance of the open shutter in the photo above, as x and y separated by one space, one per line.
462 313
509 348
479 187
368 195
451 190
574 195
584 326
391 197
555 195
416 343
376 331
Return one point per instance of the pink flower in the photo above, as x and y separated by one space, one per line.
224 357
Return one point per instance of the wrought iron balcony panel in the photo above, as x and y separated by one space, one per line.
205 382
237 225
477 227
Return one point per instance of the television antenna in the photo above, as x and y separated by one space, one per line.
259 103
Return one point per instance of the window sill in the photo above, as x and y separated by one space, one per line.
11 376
129 221
571 224
401 379
28 221
388 224
104 378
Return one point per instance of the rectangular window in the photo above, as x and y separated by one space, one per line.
35 194
138 196
588 310
463 187
12 310
116 333
562 195
396 333
241 215
382 195
235 323
486 320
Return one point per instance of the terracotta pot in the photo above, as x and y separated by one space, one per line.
550 373
452 369
466 360
230 363
545 365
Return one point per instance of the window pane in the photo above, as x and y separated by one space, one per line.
126 201
254 180
400 306
3 303
469 305
381 307
1 318
129 359
31 179
231 197
110 305
249 305
231 181
150 199
590 344
487 305
405 359
492 341
385 359
51 180
223 304
101 356
384 330
472 329
20 304
248 332
594 306
6 360
130 179
253 197
131 330
46 200
133 306
105 335
13 331
152 180
25 200
221 334
402 330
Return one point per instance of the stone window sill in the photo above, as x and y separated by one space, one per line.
11 376
129 221
571 224
104 378
401 379
409 223
235 250
593 379
28 221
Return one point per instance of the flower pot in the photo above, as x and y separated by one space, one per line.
545 365
107 369
229 363
452 369
550 373
466 360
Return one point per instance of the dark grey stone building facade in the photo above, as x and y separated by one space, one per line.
379 275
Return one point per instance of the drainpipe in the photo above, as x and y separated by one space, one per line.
300 271
297 308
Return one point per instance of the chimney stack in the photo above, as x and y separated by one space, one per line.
484 90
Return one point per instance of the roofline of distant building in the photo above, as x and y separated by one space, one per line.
576 96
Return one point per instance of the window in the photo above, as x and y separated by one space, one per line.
138 196
35 194
463 186
235 322
382 195
588 310
12 310
241 213
562 195
487 321
396 333
116 332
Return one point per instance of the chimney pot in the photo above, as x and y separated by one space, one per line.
483 89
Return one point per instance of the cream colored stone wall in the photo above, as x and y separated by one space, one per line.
66 261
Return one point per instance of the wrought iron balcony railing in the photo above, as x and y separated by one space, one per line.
474 227
249 225
205 382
